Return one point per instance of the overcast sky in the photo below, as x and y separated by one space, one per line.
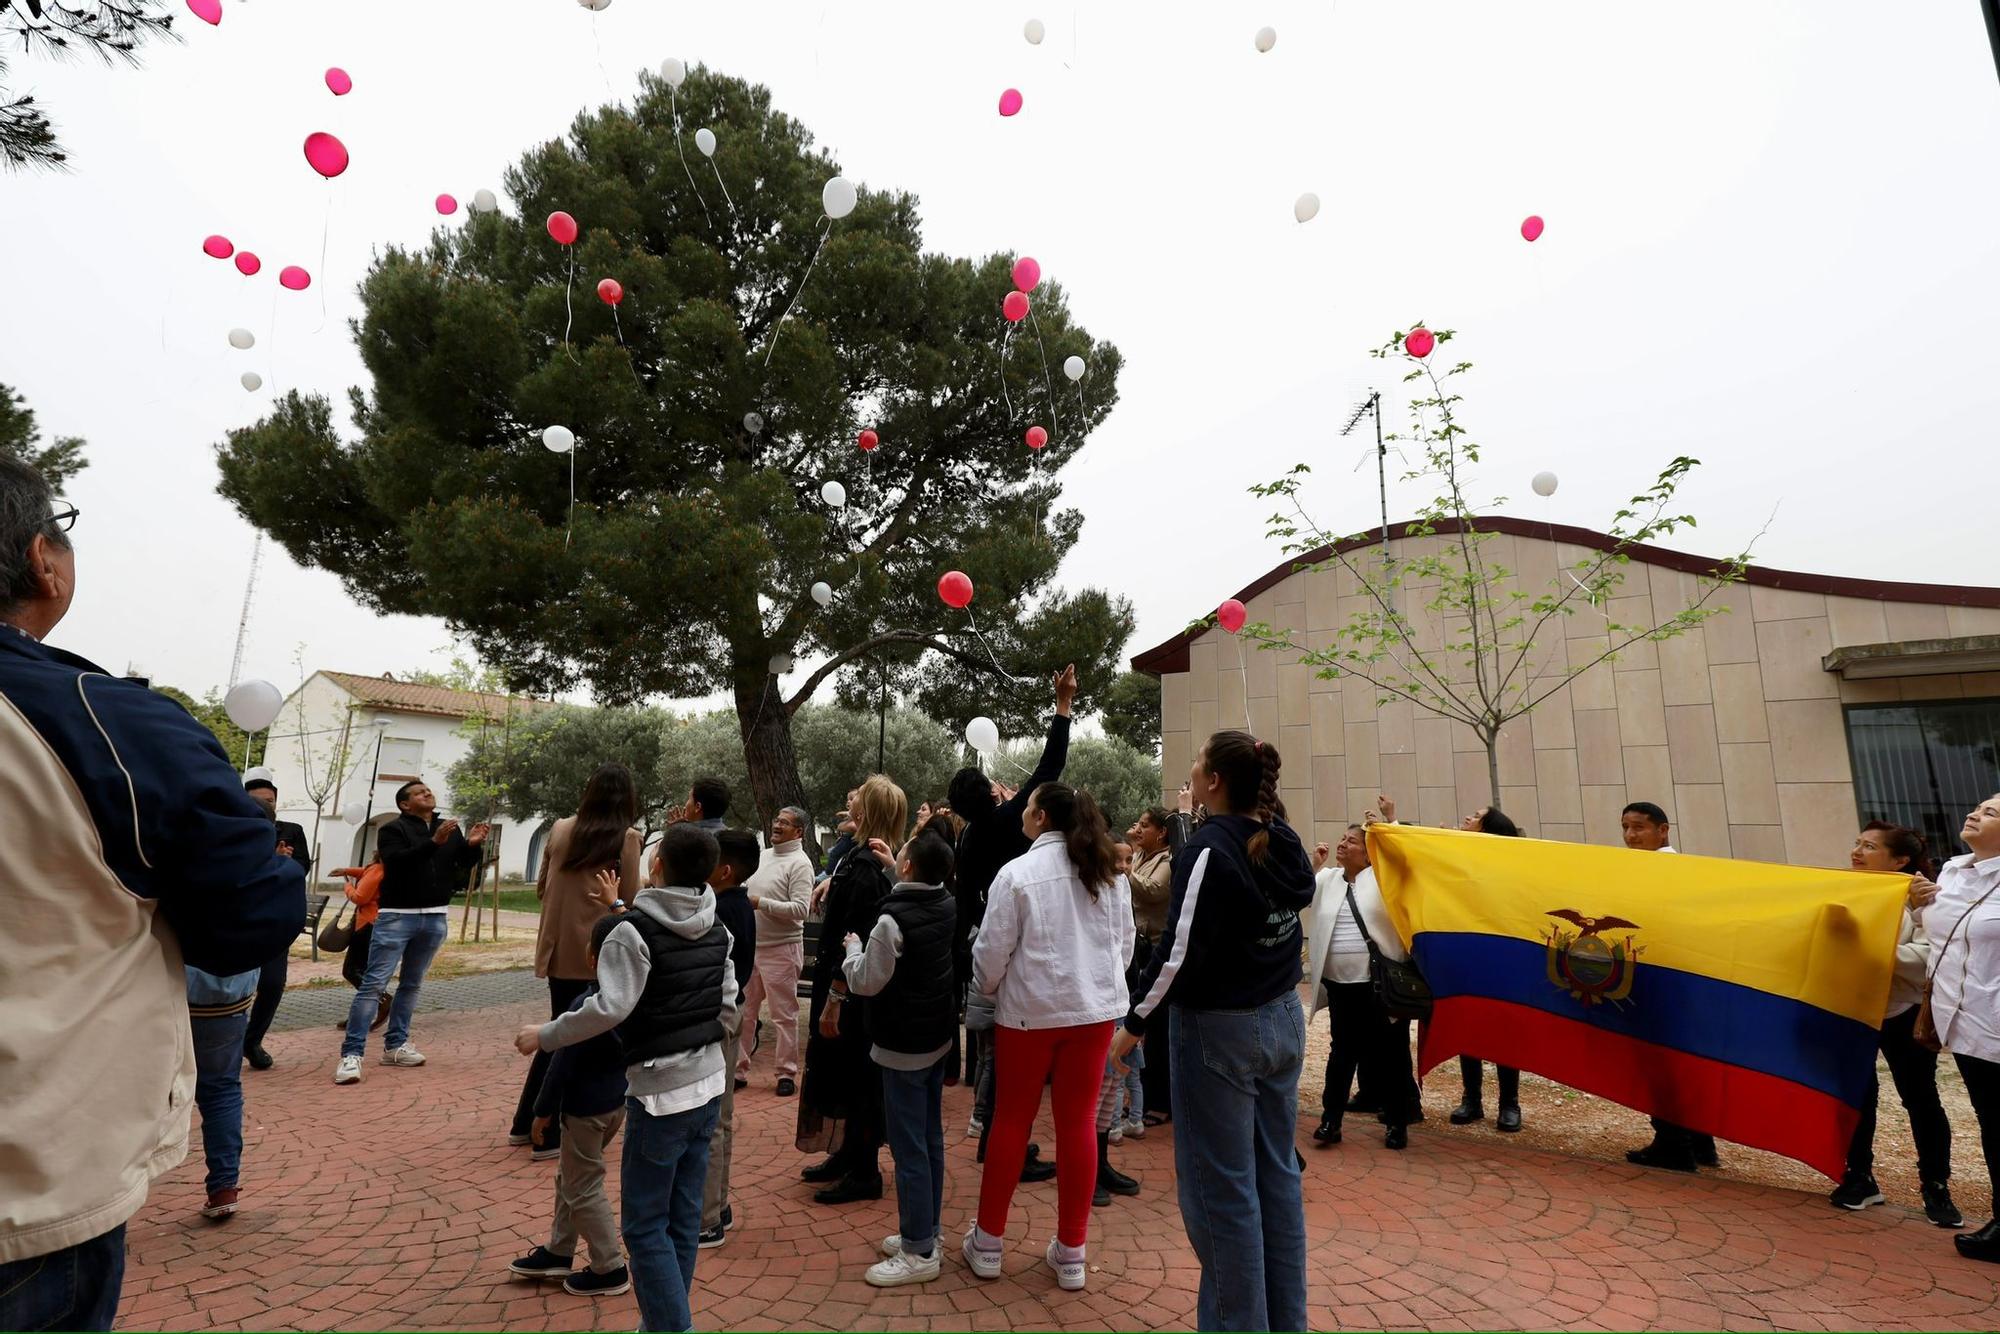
1773 243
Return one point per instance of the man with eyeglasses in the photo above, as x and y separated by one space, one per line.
131 850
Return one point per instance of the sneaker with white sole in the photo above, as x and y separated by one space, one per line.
902 1268
893 1243
403 1055
1069 1273
1115 1135
974 1128
348 1071
1135 1128
983 1264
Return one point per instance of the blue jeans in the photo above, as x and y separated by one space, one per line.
73 1288
913 1102
666 1161
411 939
218 1091
1135 1085
1236 1114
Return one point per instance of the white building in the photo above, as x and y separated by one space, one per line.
337 728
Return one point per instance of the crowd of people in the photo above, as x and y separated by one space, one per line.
1004 938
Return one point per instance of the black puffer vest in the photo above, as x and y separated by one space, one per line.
918 1011
681 1007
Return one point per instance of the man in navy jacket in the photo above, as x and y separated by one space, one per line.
130 848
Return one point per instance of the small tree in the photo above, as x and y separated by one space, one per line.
1124 780
112 30
537 765
237 744
1453 632
1132 711
323 756
57 462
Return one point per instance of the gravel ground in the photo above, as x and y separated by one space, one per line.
1561 1120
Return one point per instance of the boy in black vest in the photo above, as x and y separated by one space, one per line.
667 986
907 969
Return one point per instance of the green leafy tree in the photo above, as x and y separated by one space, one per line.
697 531
208 711
463 674
536 765
112 30
837 749
1447 626
1132 711
57 461
1124 780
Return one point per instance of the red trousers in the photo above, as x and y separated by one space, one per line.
1023 1061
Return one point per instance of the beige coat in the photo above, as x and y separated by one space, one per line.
1152 881
570 906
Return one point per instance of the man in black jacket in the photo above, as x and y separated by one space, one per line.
424 862
271 981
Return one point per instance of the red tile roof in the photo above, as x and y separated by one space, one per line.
384 692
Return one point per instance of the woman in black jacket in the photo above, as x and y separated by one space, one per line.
1227 971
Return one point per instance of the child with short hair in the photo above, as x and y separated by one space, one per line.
585 1085
907 967
667 986
735 865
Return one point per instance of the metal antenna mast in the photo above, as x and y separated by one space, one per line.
243 621
1372 405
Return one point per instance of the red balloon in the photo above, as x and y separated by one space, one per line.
218 247
562 227
1531 227
868 441
294 278
1037 437
1419 341
1027 274
208 11
247 263
1015 307
610 291
955 589
327 154
338 83
1231 615
446 204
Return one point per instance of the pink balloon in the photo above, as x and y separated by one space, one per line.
294 278
1015 307
1231 615
956 589
1531 227
338 82
327 154
208 11
447 205
562 227
1027 274
218 247
610 291
1010 102
247 263
1418 342
1037 437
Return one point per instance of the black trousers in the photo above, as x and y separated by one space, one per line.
562 994
270 990
1982 1086
1472 1074
1914 1072
1366 1041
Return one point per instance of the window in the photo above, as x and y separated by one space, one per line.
1925 765
403 760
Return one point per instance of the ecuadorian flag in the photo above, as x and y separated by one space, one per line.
1738 998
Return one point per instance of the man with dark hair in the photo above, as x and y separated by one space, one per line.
1676 1148
736 861
1645 828
130 850
424 863
271 979
707 804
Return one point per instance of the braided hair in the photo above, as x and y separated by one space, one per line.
1249 771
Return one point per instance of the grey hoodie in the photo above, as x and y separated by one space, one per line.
622 968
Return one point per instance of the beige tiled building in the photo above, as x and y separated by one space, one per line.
1769 732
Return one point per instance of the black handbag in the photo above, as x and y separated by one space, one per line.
1400 988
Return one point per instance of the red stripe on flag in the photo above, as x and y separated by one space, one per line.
1727 1101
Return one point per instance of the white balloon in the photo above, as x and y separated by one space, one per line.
1073 367
1266 38
1544 483
673 71
704 139
483 201
1307 208
781 664
252 705
982 736
242 339
1034 32
558 439
355 812
752 423
595 5
252 381
822 593
834 494
838 197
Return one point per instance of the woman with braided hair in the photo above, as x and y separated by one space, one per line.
1227 973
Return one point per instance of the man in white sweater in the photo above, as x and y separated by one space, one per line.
779 892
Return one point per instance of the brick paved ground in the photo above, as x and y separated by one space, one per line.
396 1204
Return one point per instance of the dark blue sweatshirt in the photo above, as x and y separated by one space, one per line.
1232 939
587 1079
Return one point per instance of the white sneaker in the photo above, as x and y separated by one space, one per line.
983 1264
1135 1128
348 1071
1116 1135
899 1269
1069 1273
974 1128
403 1055
893 1244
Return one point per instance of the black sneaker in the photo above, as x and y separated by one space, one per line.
1857 1190
711 1237
1327 1132
545 1263
1035 1167
786 1088
1938 1206
1397 1137
1115 1181
593 1284
259 1058
1099 1196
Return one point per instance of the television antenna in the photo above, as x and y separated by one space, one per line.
243 621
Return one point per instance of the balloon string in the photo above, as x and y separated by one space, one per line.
719 181
1006 337
1244 667
1048 381
271 343
1082 415
600 57
675 95
570 522
973 621
569 310
631 361
326 223
825 232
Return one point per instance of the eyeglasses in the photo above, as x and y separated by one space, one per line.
63 515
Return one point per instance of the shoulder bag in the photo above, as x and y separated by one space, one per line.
1399 987
335 936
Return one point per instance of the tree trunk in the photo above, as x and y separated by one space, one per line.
767 748
1492 740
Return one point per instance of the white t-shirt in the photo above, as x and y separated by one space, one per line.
1965 973
1347 955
